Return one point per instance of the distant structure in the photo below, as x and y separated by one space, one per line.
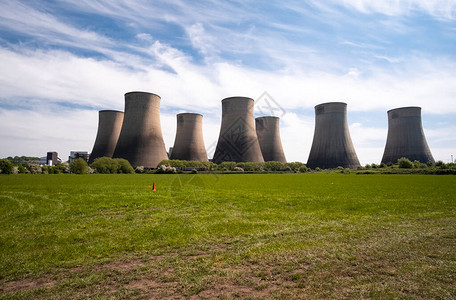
51 159
406 137
78 154
170 151
189 142
109 126
268 132
238 139
332 146
141 140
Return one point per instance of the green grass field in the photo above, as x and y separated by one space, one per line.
228 236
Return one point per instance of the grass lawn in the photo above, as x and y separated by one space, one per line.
228 236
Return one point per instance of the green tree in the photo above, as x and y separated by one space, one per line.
105 165
404 163
6 166
79 166
124 166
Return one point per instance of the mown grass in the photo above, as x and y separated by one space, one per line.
249 236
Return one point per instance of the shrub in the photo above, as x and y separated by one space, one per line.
124 166
6 166
368 166
238 169
303 169
294 166
404 163
382 165
194 171
274 166
139 169
166 170
79 166
21 169
105 165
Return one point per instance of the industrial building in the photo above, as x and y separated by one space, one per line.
78 154
332 145
406 136
238 140
189 142
268 132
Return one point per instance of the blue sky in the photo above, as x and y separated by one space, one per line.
62 61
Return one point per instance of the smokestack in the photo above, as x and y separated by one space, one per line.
406 137
332 146
268 132
109 125
189 142
238 139
141 140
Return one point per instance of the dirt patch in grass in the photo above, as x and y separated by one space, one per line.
27 284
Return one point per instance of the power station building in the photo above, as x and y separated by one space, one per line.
141 140
189 142
238 140
406 136
332 145
268 132
109 126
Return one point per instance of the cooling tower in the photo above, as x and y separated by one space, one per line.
332 146
406 136
238 139
189 142
268 132
141 140
109 125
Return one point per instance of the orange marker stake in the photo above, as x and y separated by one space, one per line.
153 187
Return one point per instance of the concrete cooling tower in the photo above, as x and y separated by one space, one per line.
406 136
238 139
109 126
332 146
141 140
268 132
189 142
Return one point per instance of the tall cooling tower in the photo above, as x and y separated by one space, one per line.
141 140
406 136
109 126
189 142
268 132
332 146
238 139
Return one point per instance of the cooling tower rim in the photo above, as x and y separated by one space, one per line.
141 92
237 97
404 108
189 114
329 103
110 110
267 117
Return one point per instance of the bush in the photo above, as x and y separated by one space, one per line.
194 171
303 169
139 169
238 169
404 163
382 165
107 165
274 166
6 166
79 166
166 170
124 166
